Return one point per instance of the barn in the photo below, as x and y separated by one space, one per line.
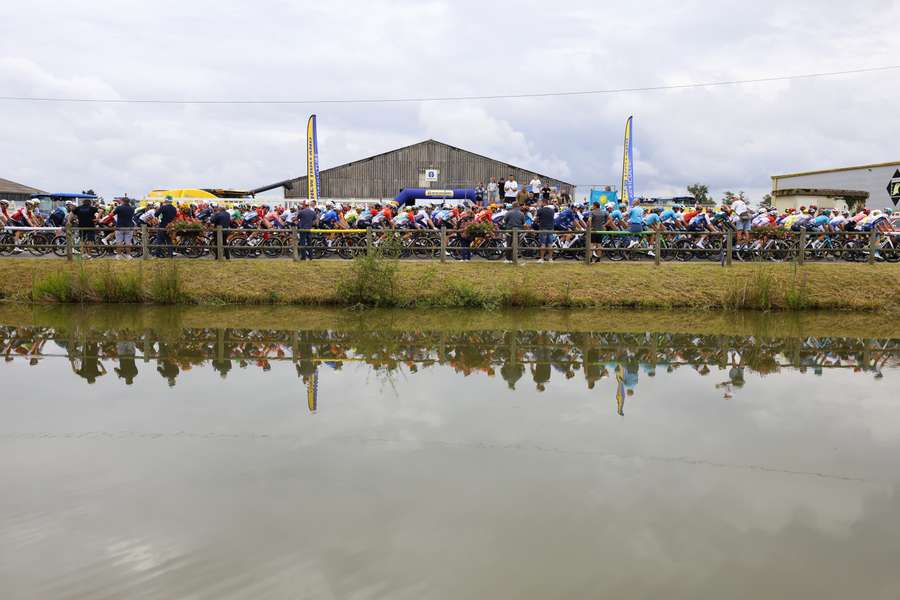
428 164
16 192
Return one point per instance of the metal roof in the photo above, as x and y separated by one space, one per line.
11 187
838 170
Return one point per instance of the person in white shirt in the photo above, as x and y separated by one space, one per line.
535 186
743 222
510 189
492 188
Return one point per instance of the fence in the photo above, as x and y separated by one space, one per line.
445 244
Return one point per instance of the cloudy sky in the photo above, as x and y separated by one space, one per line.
728 137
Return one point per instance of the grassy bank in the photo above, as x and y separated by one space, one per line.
454 285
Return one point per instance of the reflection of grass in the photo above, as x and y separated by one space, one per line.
173 318
484 284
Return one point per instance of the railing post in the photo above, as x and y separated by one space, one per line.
295 246
145 242
588 248
729 248
68 241
873 246
801 253
443 244
220 243
515 246
369 246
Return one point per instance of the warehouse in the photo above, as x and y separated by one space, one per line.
428 164
16 192
880 181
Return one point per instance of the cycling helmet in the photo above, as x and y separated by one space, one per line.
4 201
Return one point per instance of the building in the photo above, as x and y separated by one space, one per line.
881 182
428 164
839 199
16 192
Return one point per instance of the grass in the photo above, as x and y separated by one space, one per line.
381 282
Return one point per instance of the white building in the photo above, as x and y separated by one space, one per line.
881 181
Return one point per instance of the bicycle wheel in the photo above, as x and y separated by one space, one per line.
237 246
491 249
273 247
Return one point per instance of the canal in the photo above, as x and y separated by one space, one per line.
307 453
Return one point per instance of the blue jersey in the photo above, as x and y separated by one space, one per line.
668 215
651 220
330 217
819 221
565 218
636 215
616 215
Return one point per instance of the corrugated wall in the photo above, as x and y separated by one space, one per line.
382 176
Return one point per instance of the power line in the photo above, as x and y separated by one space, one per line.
654 88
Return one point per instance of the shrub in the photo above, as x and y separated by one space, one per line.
165 286
372 281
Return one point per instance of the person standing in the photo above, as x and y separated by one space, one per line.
599 221
481 194
221 218
86 218
306 220
124 215
166 213
492 188
544 223
510 189
534 188
513 220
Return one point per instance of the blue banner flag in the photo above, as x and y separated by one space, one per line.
628 164
312 160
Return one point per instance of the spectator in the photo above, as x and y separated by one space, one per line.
599 221
306 220
492 188
546 192
166 213
481 194
514 219
510 189
545 223
124 214
86 217
221 218
534 188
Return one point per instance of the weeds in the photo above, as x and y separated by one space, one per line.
372 281
165 286
753 293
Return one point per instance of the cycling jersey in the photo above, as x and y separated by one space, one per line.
819 221
652 220
565 219
667 216
330 217
58 217
761 221
698 223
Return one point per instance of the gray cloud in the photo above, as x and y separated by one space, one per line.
730 137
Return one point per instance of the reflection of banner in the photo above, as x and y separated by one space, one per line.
628 164
312 160
312 391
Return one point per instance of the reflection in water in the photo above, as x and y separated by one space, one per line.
511 354
183 462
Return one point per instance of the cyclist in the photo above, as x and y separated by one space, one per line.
23 217
60 214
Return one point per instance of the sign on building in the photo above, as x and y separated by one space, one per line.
893 188
431 174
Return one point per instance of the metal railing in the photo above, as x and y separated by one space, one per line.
445 244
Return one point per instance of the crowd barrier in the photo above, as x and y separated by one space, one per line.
445 244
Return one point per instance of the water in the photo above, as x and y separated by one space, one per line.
261 453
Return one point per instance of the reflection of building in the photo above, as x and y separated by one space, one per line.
878 180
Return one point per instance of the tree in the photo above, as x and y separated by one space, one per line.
766 201
700 193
